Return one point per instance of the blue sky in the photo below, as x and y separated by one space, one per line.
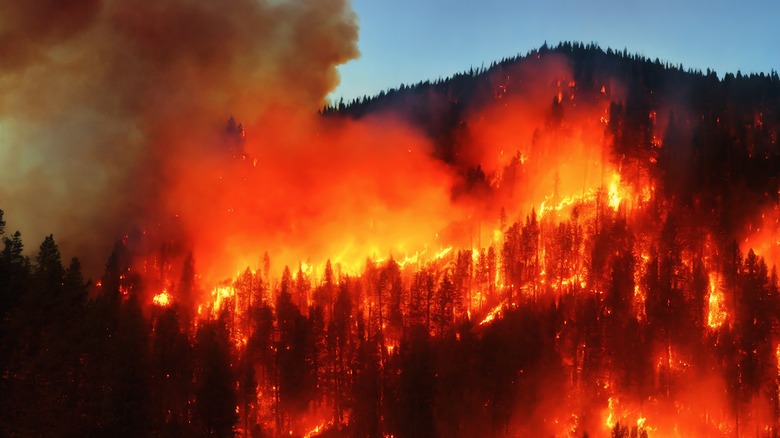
405 41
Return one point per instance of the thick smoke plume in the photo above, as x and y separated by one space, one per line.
113 121
102 101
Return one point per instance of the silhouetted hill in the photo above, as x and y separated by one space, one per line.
711 142
438 106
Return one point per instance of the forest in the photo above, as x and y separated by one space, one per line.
643 304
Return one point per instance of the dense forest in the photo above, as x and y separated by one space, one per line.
647 305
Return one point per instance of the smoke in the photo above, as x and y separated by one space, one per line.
538 139
307 190
115 120
100 100
29 29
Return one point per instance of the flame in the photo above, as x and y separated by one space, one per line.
316 430
716 310
763 235
443 253
618 412
614 191
612 419
639 302
220 295
163 299
615 195
493 313
777 359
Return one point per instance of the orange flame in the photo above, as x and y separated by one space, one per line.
716 311
163 299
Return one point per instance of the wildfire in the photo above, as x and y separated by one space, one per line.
568 294
443 253
777 359
614 191
570 253
316 430
716 310
763 235
612 419
494 313
220 295
163 299
565 202
640 299
621 414
615 194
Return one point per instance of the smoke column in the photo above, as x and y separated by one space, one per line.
113 121
101 99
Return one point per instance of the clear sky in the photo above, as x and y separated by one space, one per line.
406 41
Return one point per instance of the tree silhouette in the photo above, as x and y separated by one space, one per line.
215 394
172 370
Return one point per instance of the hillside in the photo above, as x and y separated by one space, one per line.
568 243
710 143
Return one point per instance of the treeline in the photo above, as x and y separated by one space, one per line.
737 109
708 144
398 349
590 62
81 365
